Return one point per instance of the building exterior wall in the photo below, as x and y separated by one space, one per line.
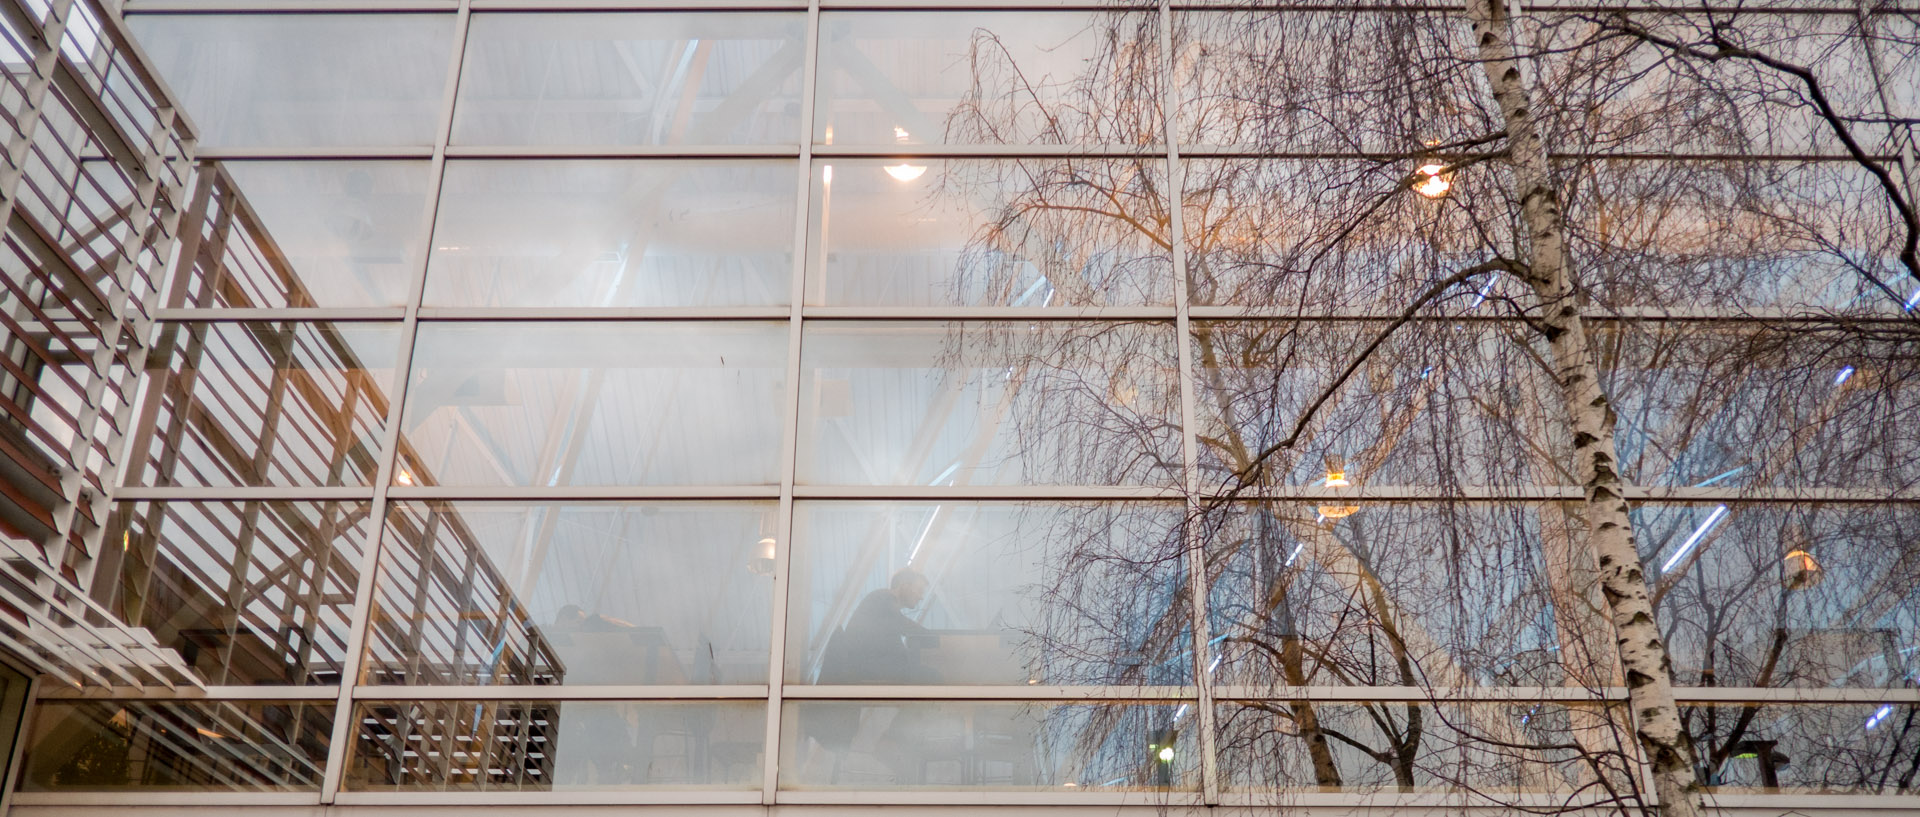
555 404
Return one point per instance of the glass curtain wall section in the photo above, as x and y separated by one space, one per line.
905 406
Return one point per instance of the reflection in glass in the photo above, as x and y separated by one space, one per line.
613 234
445 612
653 78
1316 100
507 746
604 593
1024 232
1345 235
307 234
1001 746
1758 405
1737 608
265 404
605 403
1489 748
1806 748
1327 236
973 77
1739 234
1404 594
987 593
257 80
244 592
1437 403
176 746
988 404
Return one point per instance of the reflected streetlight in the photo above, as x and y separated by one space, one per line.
1432 180
1802 571
905 172
1336 480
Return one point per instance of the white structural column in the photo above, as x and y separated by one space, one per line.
1196 545
354 661
790 419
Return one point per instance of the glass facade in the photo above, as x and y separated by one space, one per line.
910 404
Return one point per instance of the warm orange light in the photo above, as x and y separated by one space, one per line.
1433 181
905 172
1337 479
1802 571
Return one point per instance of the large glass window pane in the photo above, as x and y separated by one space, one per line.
1331 593
1437 403
1028 232
285 80
606 593
1805 748
1779 595
716 78
988 404
1736 234
265 404
1491 749
1266 77
917 78
600 403
211 746
987 593
244 592
307 234
613 234
1336 236
1760 405
956 745
536 746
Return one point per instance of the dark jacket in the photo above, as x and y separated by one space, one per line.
872 647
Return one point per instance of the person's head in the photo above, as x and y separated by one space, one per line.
909 587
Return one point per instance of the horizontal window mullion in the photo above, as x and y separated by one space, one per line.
597 692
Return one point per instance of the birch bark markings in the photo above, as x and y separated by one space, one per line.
1643 656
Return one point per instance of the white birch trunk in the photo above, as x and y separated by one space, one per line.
1643 656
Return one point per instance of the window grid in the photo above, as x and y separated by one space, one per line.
382 492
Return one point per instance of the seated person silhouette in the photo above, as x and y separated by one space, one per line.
870 649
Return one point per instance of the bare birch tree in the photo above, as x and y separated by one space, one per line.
1418 192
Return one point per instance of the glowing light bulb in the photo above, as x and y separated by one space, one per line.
403 478
905 172
1166 754
1434 181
